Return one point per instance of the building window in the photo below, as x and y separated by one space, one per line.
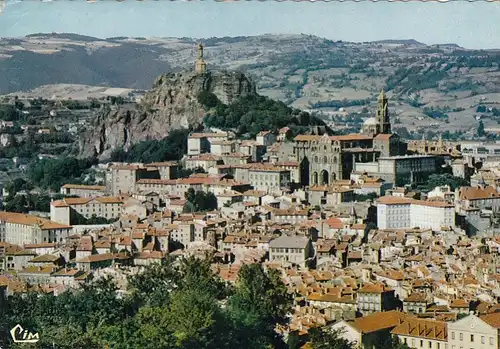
491 340
461 336
472 338
482 340
453 335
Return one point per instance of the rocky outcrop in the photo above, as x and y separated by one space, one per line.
171 103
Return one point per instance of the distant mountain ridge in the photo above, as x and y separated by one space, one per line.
400 42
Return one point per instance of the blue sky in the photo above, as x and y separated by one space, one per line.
472 25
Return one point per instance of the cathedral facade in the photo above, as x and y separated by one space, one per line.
325 159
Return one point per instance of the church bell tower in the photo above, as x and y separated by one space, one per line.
382 117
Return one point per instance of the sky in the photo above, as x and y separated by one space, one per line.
468 24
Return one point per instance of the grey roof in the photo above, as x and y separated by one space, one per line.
285 241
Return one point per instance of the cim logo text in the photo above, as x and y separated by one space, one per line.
21 335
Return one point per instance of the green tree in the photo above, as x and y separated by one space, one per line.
172 147
326 338
198 201
438 180
480 129
260 301
152 286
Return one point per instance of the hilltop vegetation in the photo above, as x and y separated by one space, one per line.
252 114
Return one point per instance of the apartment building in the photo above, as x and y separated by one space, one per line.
68 209
293 167
294 249
160 186
199 143
23 229
166 169
375 297
86 191
269 178
221 147
182 234
123 177
398 213
482 197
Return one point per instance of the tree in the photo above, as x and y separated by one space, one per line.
152 286
326 338
208 99
480 129
438 180
172 147
198 201
259 303
181 305
53 173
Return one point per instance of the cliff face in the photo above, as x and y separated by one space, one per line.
171 103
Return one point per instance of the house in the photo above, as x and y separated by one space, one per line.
416 303
294 249
265 138
375 297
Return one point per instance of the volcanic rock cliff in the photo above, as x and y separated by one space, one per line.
171 103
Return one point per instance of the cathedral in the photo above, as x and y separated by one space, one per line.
325 159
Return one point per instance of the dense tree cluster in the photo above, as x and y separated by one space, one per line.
77 219
198 201
27 203
9 113
252 114
186 172
172 305
341 103
53 173
172 147
437 180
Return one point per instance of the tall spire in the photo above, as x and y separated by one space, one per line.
382 117
381 96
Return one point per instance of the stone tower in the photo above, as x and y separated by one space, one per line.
200 65
382 117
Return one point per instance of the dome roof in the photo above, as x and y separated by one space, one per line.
370 122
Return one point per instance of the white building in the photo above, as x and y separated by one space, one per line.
474 332
403 213
23 229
